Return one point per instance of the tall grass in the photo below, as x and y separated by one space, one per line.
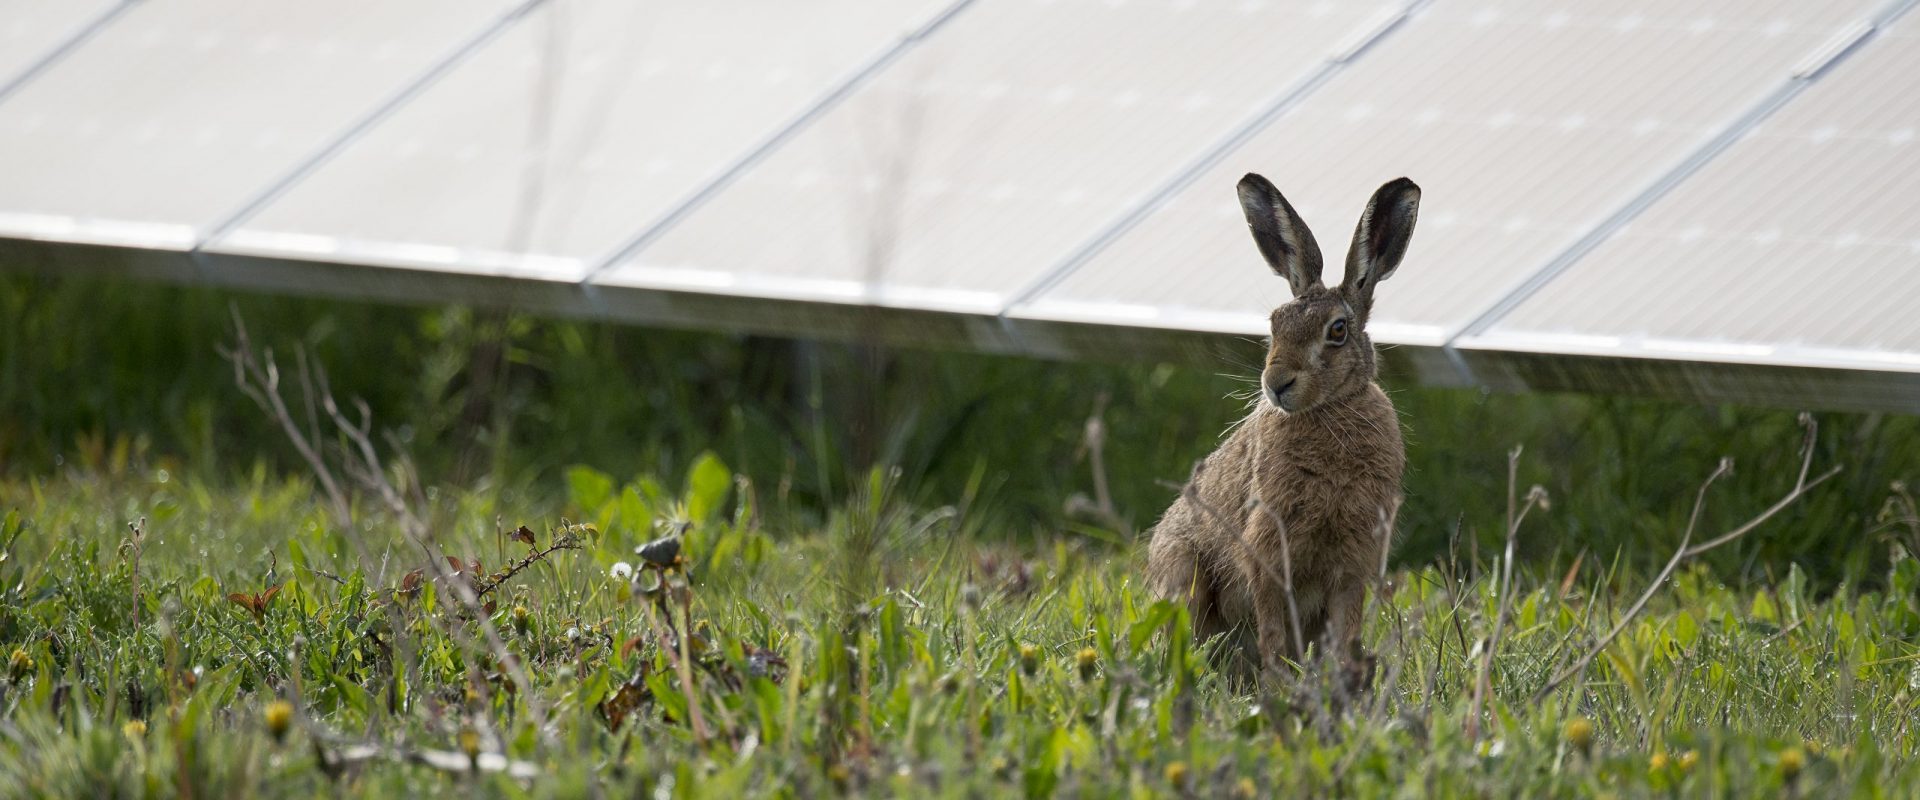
98 374
184 612
953 667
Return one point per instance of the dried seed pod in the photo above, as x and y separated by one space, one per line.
663 552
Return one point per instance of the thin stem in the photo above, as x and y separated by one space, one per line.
1483 681
1801 486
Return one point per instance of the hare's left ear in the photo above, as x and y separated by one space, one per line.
1283 239
1381 239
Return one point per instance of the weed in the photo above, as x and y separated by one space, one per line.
734 667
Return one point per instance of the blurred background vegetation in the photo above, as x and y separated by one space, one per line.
99 376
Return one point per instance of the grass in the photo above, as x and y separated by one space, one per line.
887 650
186 610
98 375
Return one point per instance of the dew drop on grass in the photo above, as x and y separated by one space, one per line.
1913 678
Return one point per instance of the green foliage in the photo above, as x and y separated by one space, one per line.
961 667
122 380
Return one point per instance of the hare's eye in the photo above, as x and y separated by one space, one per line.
1337 333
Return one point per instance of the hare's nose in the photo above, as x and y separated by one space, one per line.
1278 393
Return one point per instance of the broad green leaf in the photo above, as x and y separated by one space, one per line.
352 694
769 703
588 489
636 514
1153 620
666 692
707 485
1763 609
893 646
1685 630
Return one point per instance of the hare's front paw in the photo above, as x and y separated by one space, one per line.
1357 670
1276 670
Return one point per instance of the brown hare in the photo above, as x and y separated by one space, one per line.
1305 487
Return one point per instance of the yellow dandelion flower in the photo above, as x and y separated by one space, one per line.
1688 760
1579 732
279 717
470 743
1177 774
1792 760
1088 660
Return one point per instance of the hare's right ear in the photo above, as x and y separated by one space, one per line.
1283 239
1380 240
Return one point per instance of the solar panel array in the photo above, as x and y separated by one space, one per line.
1714 199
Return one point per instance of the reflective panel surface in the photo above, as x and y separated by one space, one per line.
1525 124
179 111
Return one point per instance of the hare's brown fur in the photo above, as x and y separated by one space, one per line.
1306 486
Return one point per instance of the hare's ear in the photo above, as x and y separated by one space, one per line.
1381 239
1283 239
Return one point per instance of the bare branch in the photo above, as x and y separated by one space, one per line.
307 393
567 540
258 377
1800 487
261 381
1483 681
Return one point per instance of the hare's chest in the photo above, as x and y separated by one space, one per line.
1330 494
1314 479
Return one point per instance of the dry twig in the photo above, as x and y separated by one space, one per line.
1093 447
258 376
1483 681
1687 550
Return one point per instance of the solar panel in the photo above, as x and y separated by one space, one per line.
36 30
1524 123
538 155
992 149
179 111
1798 245
1701 198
